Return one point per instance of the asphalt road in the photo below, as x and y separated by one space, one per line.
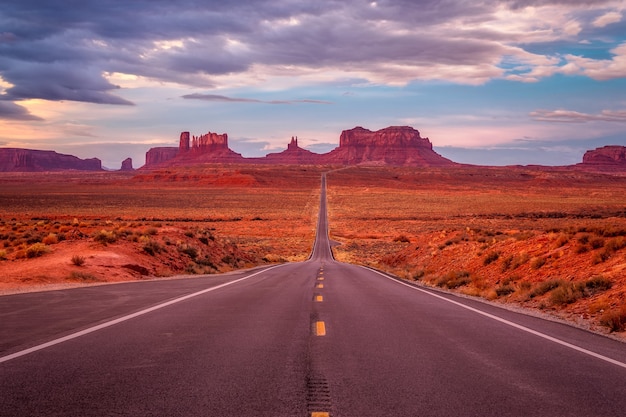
317 338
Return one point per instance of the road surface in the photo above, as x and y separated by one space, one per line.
317 338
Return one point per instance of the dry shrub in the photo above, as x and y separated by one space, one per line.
104 237
402 239
537 262
614 319
491 257
504 289
561 241
78 260
51 239
36 250
82 276
545 287
567 293
454 279
152 247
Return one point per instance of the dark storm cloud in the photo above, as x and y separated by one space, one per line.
12 111
61 50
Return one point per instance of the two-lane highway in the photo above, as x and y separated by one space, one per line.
317 338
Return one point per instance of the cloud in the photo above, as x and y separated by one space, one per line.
12 111
569 116
220 98
53 52
607 19
598 69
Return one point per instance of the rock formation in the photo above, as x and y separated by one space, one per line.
389 146
207 148
29 160
395 145
127 165
294 154
160 155
606 155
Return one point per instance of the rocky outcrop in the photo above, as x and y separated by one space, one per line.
29 160
160 155
390 146
207 148
607 158
396 145
127 165
294 154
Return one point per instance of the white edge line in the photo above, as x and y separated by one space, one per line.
125 318
509 323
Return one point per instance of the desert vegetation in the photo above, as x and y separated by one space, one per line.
551 240
59 227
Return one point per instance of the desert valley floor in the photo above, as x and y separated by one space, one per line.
549 240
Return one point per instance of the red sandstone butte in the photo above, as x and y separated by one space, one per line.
29 160
606 158
127 165
395 145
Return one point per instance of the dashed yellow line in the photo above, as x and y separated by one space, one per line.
320 328
319 298
320 414
319 286
320 278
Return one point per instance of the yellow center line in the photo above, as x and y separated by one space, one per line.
319 298
320 278
320 285
320 328
320 414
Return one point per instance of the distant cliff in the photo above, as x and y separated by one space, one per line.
29 160
207 148
394 145
606 158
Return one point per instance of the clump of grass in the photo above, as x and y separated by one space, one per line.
152 247
567 293
402 239
78 260
491 257
561 241
537 262
507 262
504 289
82 276
614 319
104 237
454 279
544 287
596 243
189 250
51 239
36 250
598 283
563 292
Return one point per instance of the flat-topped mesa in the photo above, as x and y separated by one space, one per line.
30 160
395 145
393 136
605 159
606 155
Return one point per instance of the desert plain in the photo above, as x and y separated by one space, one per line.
549 240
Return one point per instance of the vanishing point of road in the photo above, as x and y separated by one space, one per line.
316 338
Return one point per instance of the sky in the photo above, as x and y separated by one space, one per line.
489 82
